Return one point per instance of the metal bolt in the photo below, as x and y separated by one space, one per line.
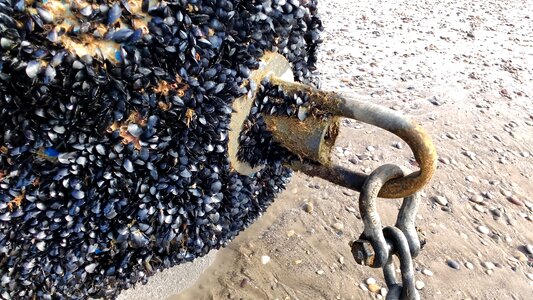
363 252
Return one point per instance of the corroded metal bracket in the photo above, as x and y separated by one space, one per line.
409 131
313 139
270 64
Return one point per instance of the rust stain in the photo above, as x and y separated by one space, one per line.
426 155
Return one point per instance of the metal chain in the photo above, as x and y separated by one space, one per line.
377 245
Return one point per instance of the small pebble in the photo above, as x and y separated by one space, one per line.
433 100
383 292
479 208
483 229
497 213
469 265
374 288
453 264
488 195
452 136
308 207
514 260
506 193
353 161
489 272
320 272
444 160
528 204
265 259
477 199
427 272
470 155
244 282
514 200
469 178
363 287
338 226
341 260
441 200
419 285
520 256
351 209
290 233
370 148
370 281
363 157
529 249
488 265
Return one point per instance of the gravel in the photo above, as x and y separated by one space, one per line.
419 285
483 229
453 264
265 259
441 200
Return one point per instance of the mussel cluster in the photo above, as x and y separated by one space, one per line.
114 119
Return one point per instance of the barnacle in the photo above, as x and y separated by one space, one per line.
15 202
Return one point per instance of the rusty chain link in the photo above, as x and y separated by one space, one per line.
377 246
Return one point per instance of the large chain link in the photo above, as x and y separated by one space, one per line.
376 246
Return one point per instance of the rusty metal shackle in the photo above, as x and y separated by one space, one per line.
409 131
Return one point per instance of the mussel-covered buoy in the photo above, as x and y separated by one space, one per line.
114 119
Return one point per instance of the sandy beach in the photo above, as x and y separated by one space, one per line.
464 71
